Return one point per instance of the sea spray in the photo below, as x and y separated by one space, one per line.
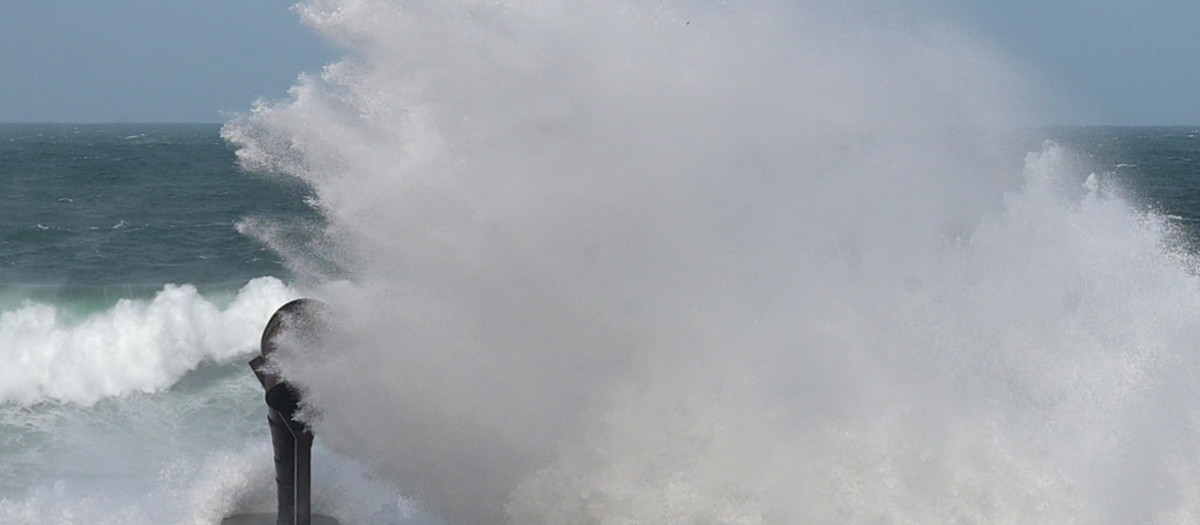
621 262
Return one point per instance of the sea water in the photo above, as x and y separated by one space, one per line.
130 304
599 262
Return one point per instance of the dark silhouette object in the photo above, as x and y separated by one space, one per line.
301 321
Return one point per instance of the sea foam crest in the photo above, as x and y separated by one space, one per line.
135 346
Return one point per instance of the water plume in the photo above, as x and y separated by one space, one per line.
677 262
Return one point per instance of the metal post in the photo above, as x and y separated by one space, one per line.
291 439
285 467
303 448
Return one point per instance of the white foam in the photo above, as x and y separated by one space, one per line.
646 262
135 346
202 486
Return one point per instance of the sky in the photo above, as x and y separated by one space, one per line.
1115 61
1106 61
149 60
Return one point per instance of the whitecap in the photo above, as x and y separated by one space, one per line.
135 346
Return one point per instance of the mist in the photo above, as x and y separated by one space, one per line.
684 262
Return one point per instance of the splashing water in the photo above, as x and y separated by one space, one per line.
647 262
136 346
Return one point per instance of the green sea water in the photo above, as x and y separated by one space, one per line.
128 206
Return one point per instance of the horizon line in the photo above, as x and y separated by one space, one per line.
221 123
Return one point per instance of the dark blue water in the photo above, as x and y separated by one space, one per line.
132 205
1159 166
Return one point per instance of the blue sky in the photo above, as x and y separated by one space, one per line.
148 60
1108 61
1116 61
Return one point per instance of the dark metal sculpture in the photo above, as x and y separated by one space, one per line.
292 439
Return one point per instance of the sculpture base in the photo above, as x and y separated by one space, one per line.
268 518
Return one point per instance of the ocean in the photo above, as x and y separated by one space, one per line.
599 264
131 304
